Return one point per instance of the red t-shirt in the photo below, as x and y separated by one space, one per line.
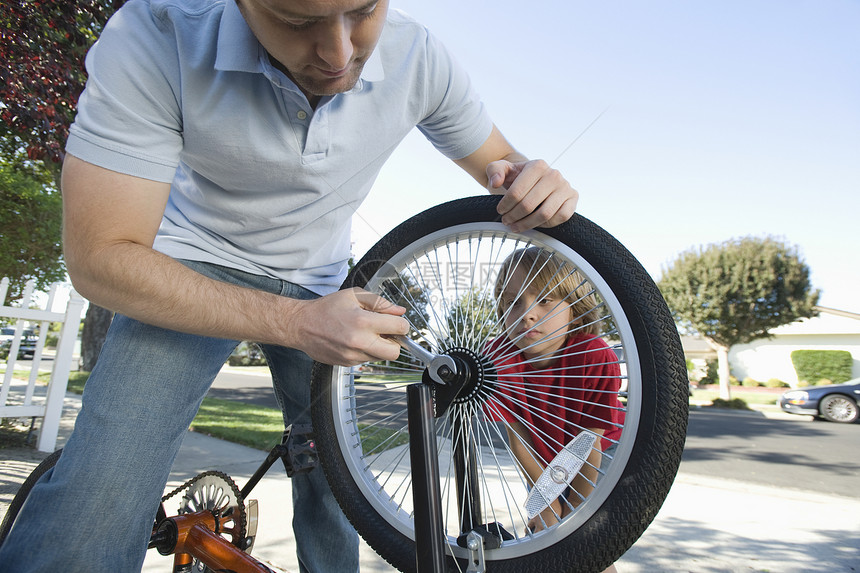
579 390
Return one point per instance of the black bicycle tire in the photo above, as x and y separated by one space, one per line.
24 491
651 468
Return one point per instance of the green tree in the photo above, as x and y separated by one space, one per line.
737 291
472 319
403 290
42 49
30 227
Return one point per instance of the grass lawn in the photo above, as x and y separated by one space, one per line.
252 426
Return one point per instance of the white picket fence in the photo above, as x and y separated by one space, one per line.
19 399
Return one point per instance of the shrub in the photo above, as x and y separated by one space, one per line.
735 404
750 383
247 354
814 365
776 383
712 375
246 361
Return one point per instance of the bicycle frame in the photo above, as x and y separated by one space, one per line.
195 535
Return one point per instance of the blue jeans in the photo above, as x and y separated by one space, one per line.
94 511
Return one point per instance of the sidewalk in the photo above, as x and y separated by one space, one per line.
705 525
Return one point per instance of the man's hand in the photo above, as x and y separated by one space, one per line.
535 194
349 327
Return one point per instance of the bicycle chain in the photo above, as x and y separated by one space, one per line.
229 481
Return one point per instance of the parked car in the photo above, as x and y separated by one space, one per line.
27 347
6 333
834 402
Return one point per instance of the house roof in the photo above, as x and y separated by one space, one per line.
696 346
828 321
838 312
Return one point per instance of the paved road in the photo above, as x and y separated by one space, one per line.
766 449
253 387
789 451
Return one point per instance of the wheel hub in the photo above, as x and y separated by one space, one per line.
475 376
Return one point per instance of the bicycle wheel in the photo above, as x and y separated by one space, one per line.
21 496
444 265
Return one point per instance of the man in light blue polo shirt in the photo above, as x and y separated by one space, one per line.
220 150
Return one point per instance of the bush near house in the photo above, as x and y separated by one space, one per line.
711 376
247 354
749 382
735 404
812 366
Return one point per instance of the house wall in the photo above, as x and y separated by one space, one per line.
771 358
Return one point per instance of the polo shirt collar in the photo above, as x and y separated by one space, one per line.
239 50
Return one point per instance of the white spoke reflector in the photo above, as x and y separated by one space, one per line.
559 473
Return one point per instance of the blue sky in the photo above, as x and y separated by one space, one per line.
719 120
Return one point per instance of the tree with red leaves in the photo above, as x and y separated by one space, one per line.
42 48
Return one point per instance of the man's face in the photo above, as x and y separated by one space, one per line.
322 45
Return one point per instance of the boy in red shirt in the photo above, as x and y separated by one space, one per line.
556 376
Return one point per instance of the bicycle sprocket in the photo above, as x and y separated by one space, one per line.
217 492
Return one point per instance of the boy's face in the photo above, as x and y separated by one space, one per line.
536 321
322 45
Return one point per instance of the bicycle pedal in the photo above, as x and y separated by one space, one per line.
301 451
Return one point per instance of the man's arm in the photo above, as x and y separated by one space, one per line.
110 223
535 194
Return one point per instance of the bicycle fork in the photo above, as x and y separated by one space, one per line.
448 377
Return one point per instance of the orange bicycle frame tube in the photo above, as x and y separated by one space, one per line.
196 538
